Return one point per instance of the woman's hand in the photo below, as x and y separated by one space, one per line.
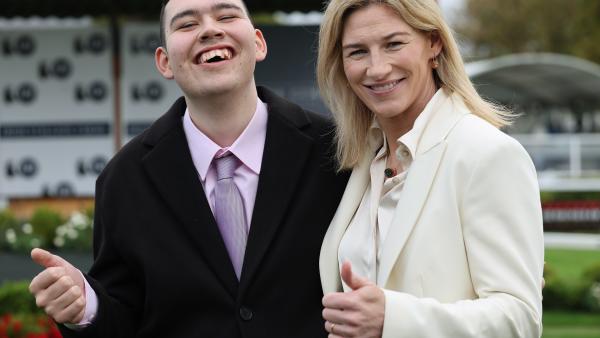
358 313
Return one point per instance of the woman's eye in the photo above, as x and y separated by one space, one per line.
395 45
356 53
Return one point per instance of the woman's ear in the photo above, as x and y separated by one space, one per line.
435 43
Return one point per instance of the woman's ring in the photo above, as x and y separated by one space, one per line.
331 328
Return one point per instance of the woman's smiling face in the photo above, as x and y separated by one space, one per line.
387 62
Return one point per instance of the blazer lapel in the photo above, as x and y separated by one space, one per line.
328 259
170 168
448 110
355 189
285 154
413 197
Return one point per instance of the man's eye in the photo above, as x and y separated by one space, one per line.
185 25
226 17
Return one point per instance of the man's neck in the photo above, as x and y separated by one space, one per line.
223 118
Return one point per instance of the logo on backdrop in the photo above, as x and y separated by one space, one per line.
61 69
21 46
25 93
152 91
145 44
62 189
26 168
95 44
92 167
97 91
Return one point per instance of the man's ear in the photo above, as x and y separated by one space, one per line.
161 58
261 46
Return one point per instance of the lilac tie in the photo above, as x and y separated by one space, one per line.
229 211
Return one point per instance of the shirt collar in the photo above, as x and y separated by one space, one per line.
248 147
411 139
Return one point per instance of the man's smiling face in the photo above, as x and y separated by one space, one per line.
211 46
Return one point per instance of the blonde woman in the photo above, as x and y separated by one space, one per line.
439 232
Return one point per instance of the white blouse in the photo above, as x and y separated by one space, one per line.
369 227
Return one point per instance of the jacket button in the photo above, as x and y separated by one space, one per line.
246 313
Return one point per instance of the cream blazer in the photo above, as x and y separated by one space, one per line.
464 254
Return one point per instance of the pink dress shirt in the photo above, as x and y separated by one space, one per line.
248 148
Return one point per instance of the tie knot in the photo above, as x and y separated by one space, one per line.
226 165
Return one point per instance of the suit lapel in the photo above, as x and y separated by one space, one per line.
328 259
170 168
355 189
285 154
447 111
413 197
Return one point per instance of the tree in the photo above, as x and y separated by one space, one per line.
497 27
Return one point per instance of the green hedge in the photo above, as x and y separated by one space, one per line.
46 229
583 295
20 317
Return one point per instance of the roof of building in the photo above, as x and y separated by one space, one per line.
538 79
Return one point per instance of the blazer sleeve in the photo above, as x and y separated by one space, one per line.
119 296
501 219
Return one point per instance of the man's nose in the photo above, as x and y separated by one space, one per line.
211 31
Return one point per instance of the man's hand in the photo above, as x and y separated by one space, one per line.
59 289
358 313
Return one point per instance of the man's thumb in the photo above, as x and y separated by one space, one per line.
46 259
353 281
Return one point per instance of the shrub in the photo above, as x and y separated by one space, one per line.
7 221
27 326
15 298
47 229
22 239
76 233
556 294
20 317
591 288
44 223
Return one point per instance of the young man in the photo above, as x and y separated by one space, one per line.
184 249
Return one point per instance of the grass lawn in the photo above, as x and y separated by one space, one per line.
571 325
569 265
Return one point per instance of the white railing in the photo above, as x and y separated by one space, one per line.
565 162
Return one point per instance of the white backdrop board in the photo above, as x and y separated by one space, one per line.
145 94
56 110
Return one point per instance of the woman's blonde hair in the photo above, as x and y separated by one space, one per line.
353 118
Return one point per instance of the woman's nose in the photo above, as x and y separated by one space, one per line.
379 67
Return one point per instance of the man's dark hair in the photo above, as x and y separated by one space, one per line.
163 39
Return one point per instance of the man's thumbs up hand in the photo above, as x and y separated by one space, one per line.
59 289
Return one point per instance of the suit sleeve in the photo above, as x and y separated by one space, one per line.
119 294
501 218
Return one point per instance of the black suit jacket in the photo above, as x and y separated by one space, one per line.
161 268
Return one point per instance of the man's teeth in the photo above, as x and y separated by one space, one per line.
224 54
384 87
